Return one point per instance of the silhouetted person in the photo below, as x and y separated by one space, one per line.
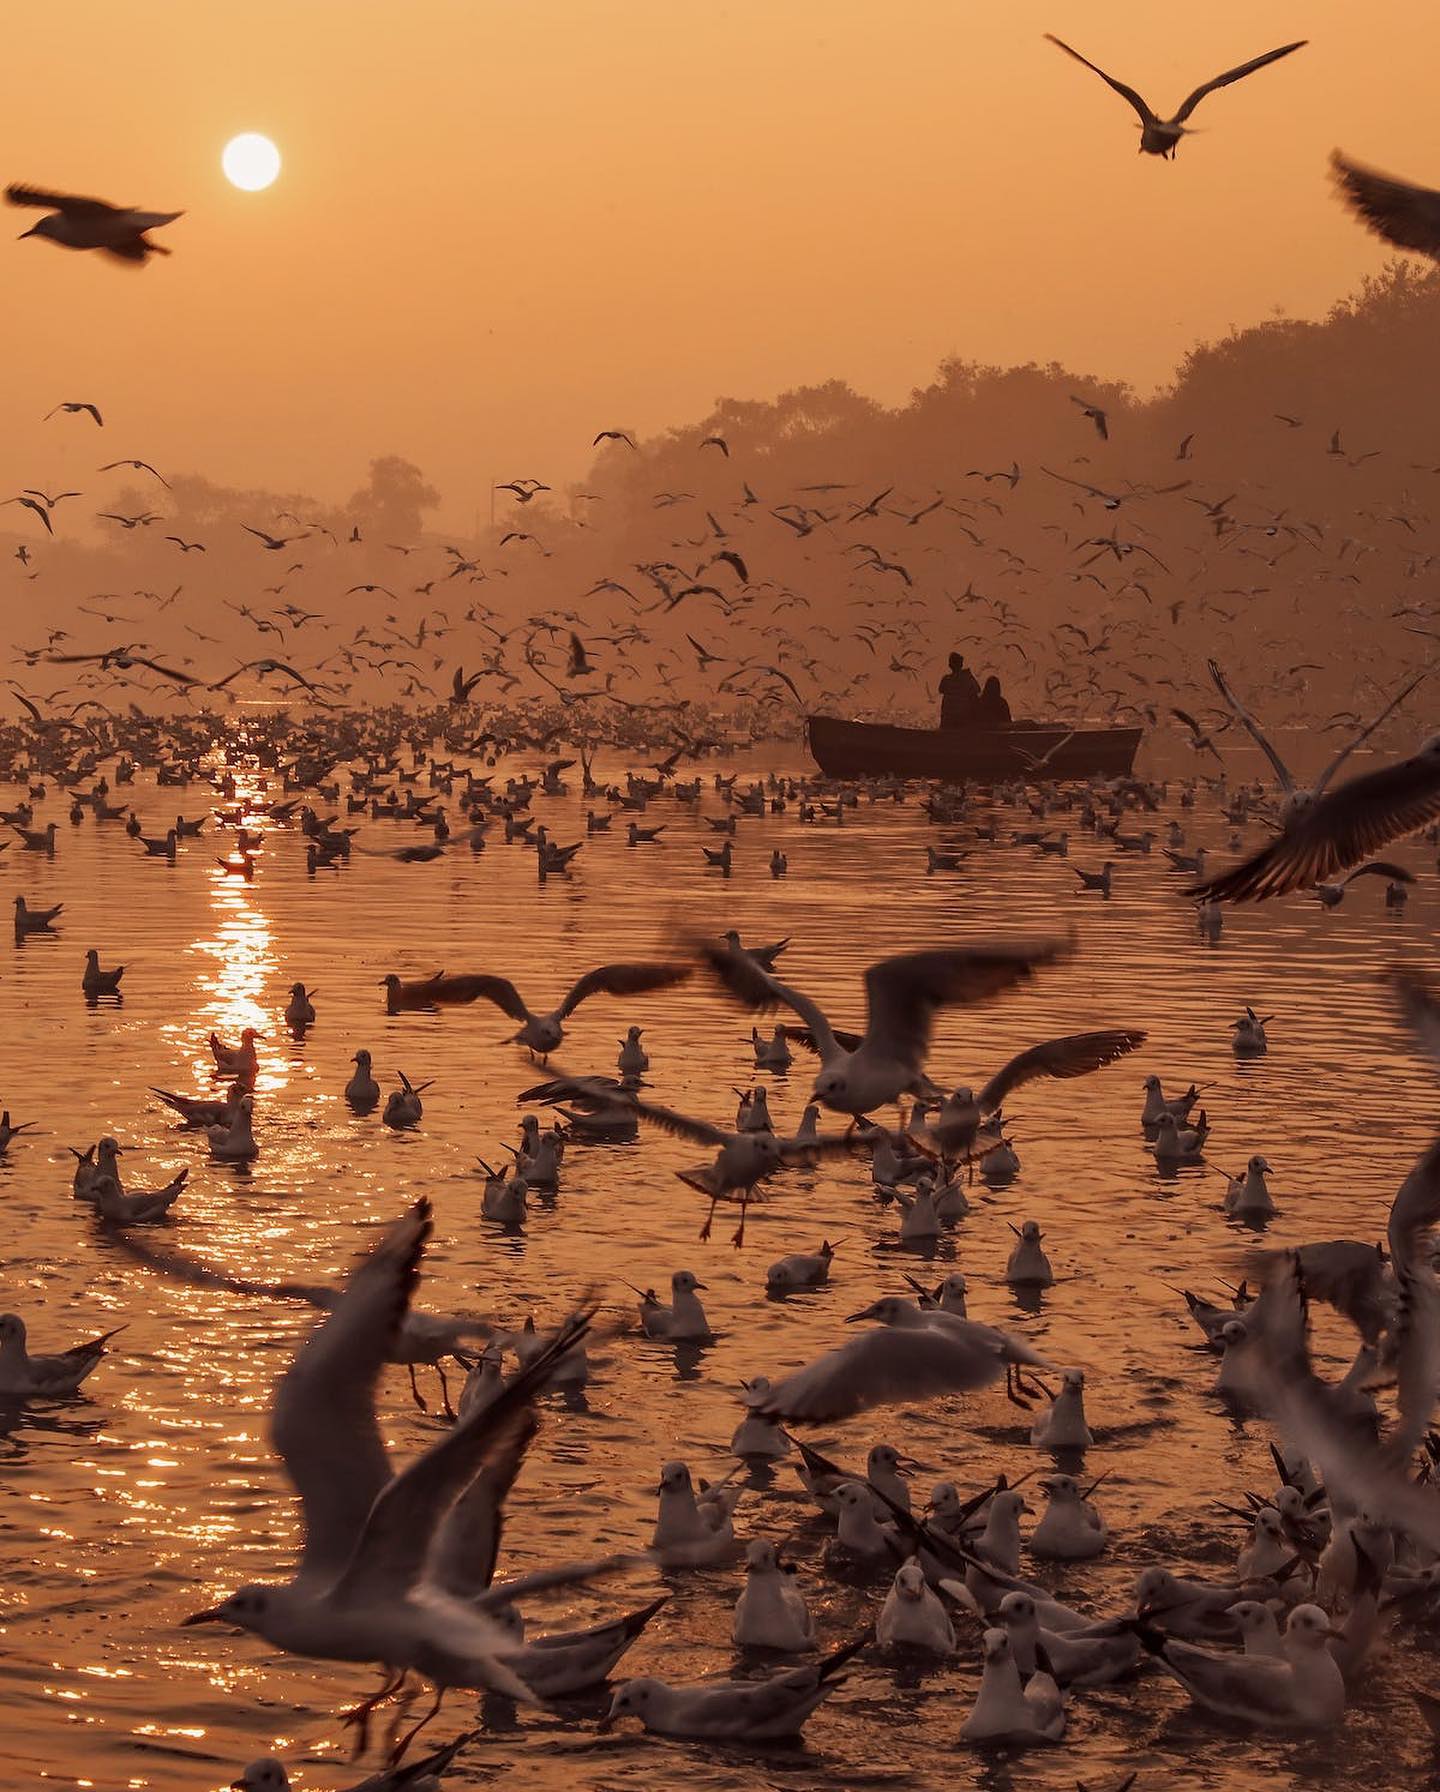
959 694
992 711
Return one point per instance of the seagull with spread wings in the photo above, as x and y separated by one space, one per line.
139 466
76 223
1161 136
543 1033
73 407
911 1355
364 1589
266 668
1324 831
859 1073
742 1159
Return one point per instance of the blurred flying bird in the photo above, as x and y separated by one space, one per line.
76 223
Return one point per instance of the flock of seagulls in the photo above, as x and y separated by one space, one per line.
398 1564
398 1567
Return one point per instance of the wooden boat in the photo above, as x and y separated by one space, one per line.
963 755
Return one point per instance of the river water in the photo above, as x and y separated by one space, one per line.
155 1491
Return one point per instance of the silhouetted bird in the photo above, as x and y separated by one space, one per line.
74 405
77 223
1161 136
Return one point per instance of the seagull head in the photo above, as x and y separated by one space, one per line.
674 1478
761 1557
832 1088
889 1310
633 1699
266 1775
910 1582
247 1610
1310 1628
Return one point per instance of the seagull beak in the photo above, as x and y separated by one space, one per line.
210 1617
864 1313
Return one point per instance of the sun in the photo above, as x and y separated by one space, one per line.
250 161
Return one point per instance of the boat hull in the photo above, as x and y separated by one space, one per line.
965 755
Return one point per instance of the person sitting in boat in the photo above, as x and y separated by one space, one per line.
959 694
992 711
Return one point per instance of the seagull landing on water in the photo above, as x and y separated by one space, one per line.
1161 136
75 223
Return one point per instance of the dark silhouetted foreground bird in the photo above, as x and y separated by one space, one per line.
1406 215
76 223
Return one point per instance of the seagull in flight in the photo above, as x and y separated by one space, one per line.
140 466
76 223
1097 416
543 1033
273 542
859 1073
1161 136
910 1356
262 668
1323 831
365 1588
74 406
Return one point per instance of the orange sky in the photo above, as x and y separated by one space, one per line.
501 227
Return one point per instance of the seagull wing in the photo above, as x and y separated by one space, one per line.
1303 1408
1251 727
903 993
1323 783
478 987
69 203
181 1268
623 980
1420 1008
1413 1214
465 1551
1404 214
1341 830
885 1366
391 1552
324 1423
1077 1054
1236 74
1126 93
1252 1686
751 984
682 1126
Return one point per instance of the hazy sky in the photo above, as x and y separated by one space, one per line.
501 227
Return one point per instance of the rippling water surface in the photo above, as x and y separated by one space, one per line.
156 1491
